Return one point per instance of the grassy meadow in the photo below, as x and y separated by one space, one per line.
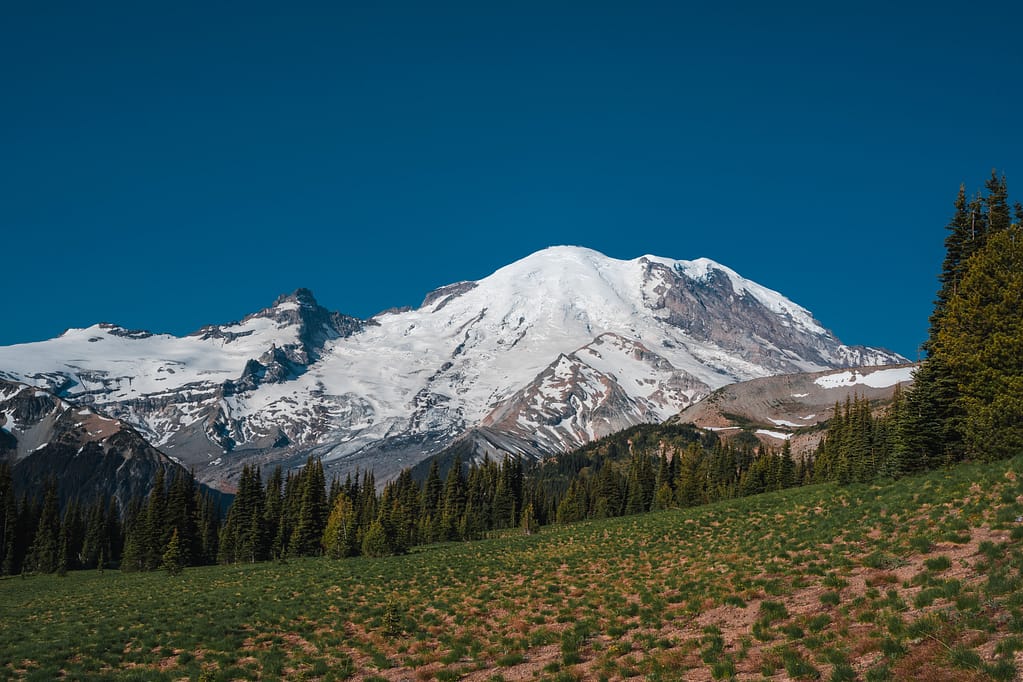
917 579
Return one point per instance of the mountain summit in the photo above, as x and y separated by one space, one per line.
561 347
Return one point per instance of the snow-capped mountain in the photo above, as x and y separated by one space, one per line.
544 354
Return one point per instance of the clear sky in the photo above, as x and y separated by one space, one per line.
165 165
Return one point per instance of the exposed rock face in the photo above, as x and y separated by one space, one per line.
604 387
561 347
446 293
87 453
711 309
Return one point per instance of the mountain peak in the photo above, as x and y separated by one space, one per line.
304 297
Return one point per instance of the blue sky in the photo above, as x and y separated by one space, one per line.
169 165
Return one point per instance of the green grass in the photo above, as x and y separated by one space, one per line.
802 581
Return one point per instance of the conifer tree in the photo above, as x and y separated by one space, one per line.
573 505
504 507
95 535
63 550
609 502
433 491
982 342
43 553
115 533
173 560
312 516
454 501
8 520
181 515
690 485
787 477
340 537
374 542
528 523
273 510
154 530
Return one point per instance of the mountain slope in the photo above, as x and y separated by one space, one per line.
88 454
544 354
784 407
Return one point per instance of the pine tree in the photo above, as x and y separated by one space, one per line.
433 495
633 492
273 510
8 520
181 515
504 507
115 531
174 556
787 477
63 550
454 501
609 502
374 542
95 535
209 528
340 537
528 522
243 537
155 530
573 505
982 343
45 548
690 485
312 517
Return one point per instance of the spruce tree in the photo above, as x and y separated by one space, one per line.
433 492
312 516
155 529
182 514
44 550
273 510
173 560
982 345
454 501
8 520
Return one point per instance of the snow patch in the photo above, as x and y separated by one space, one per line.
882 378
782 422
774 434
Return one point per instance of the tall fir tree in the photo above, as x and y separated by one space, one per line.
981 342
43 554
312 515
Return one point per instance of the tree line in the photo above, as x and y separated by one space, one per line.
37 535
